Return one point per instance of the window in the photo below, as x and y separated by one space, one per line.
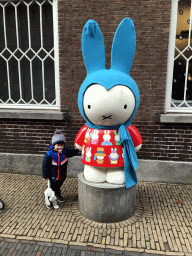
29 70
179 76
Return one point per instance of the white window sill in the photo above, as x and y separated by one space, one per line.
31 114
176 118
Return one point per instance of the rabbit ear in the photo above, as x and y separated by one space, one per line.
93 47
123 48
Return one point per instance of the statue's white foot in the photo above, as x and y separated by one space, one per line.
94 174
115 175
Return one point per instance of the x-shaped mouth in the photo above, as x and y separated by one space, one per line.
107 117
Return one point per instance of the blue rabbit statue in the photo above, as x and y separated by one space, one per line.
108 100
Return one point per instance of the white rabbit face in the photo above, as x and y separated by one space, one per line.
108 108
95 135
88 152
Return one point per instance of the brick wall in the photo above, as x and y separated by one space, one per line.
32 137
152 19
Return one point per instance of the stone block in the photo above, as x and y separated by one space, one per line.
104 202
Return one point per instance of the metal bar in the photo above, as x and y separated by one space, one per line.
20 86
172 103
56 51
8 78
43 79
41 26
186 76
170 63
28 106
5 35
31 76
4 24
19 66
41 32
180 110
29 36
16 24
189 38
28 23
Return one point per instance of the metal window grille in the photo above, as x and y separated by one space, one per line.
179 78
29 54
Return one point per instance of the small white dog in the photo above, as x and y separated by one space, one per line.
50 197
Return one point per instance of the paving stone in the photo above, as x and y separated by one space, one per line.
73 252
2 243
87 253
132 253
36 248
44 244
31 249
18 246
59 251
3 248
113 251
27 247
21 249
149 254
174 254
155 252
5 253
76 247
10 251
78 253
54 249
26 240
49 252
95 249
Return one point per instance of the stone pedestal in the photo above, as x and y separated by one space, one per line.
104 202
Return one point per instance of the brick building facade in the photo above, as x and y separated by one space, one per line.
162 140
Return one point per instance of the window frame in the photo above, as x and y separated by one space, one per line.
170 64
57 105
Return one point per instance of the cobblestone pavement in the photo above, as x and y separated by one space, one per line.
162 224
33 248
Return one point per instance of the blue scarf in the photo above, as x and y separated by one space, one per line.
130 156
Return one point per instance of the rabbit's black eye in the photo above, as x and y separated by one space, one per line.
89 106
125 106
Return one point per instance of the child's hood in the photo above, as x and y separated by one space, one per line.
51 148
123 50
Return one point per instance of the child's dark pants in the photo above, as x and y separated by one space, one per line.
56 187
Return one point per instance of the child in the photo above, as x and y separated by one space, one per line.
55 163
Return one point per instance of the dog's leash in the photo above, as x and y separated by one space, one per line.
48 183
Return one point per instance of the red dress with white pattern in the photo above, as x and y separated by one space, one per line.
102 148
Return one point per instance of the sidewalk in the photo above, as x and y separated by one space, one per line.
162 224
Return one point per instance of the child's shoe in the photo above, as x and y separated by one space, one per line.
61 199
49 206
